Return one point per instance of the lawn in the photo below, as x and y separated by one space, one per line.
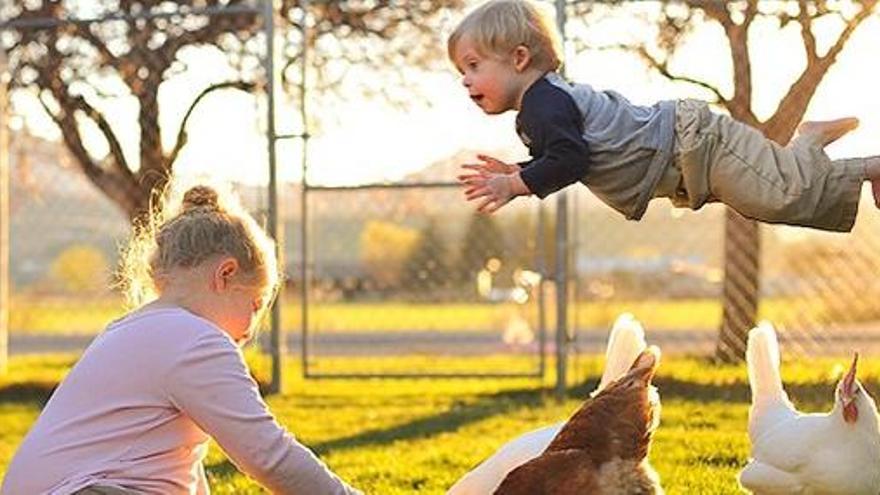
419 436
65 315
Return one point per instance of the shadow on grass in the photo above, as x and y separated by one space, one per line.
451 420
27 393
812 395
460 415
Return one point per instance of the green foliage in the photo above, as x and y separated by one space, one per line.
80 269
426 267
483 240
526 244
384 248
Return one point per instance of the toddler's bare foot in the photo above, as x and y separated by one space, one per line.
829 131
872 171
875 189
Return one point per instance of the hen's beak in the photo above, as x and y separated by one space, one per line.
848 397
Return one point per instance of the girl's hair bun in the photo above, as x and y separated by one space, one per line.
200 197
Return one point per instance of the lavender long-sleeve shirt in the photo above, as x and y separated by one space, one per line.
137 411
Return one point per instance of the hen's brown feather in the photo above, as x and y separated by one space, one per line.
603 448
560 472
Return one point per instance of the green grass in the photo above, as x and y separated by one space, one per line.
419 436
61 315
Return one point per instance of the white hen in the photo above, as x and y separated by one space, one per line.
837 453
625 343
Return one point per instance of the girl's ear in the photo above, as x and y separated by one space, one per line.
522 57
224 272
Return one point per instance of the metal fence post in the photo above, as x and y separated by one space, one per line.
543 269
278 340
561 261
304 203
276 227
4 217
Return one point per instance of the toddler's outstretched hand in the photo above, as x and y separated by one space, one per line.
490 164
496 190
495 181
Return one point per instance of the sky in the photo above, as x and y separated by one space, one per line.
364 141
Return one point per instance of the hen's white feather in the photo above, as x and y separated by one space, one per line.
762 356
806 454
625 342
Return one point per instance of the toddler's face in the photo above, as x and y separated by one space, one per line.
490 80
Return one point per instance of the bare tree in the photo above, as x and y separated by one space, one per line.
74 66
348 38
673 23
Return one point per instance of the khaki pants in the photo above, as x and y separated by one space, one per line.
105 490
718 159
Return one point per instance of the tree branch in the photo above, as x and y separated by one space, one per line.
121 190
738 38
716 11
88 166
794 104
119 161
868 7
181 132
809 39
663 68
107 57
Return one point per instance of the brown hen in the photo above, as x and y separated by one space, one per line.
603 448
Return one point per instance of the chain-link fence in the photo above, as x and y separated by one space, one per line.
817 288
399 267
689 274
106 103
411 270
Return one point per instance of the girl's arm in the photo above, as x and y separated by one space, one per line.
210 383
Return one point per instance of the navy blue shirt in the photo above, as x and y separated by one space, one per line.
575 133
550 125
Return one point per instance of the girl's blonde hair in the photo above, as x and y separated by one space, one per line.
190 230
497 27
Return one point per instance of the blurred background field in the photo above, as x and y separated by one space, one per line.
88 317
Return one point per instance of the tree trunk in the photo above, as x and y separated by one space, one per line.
742 264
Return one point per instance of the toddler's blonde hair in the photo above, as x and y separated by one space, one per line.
497 27
188 231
